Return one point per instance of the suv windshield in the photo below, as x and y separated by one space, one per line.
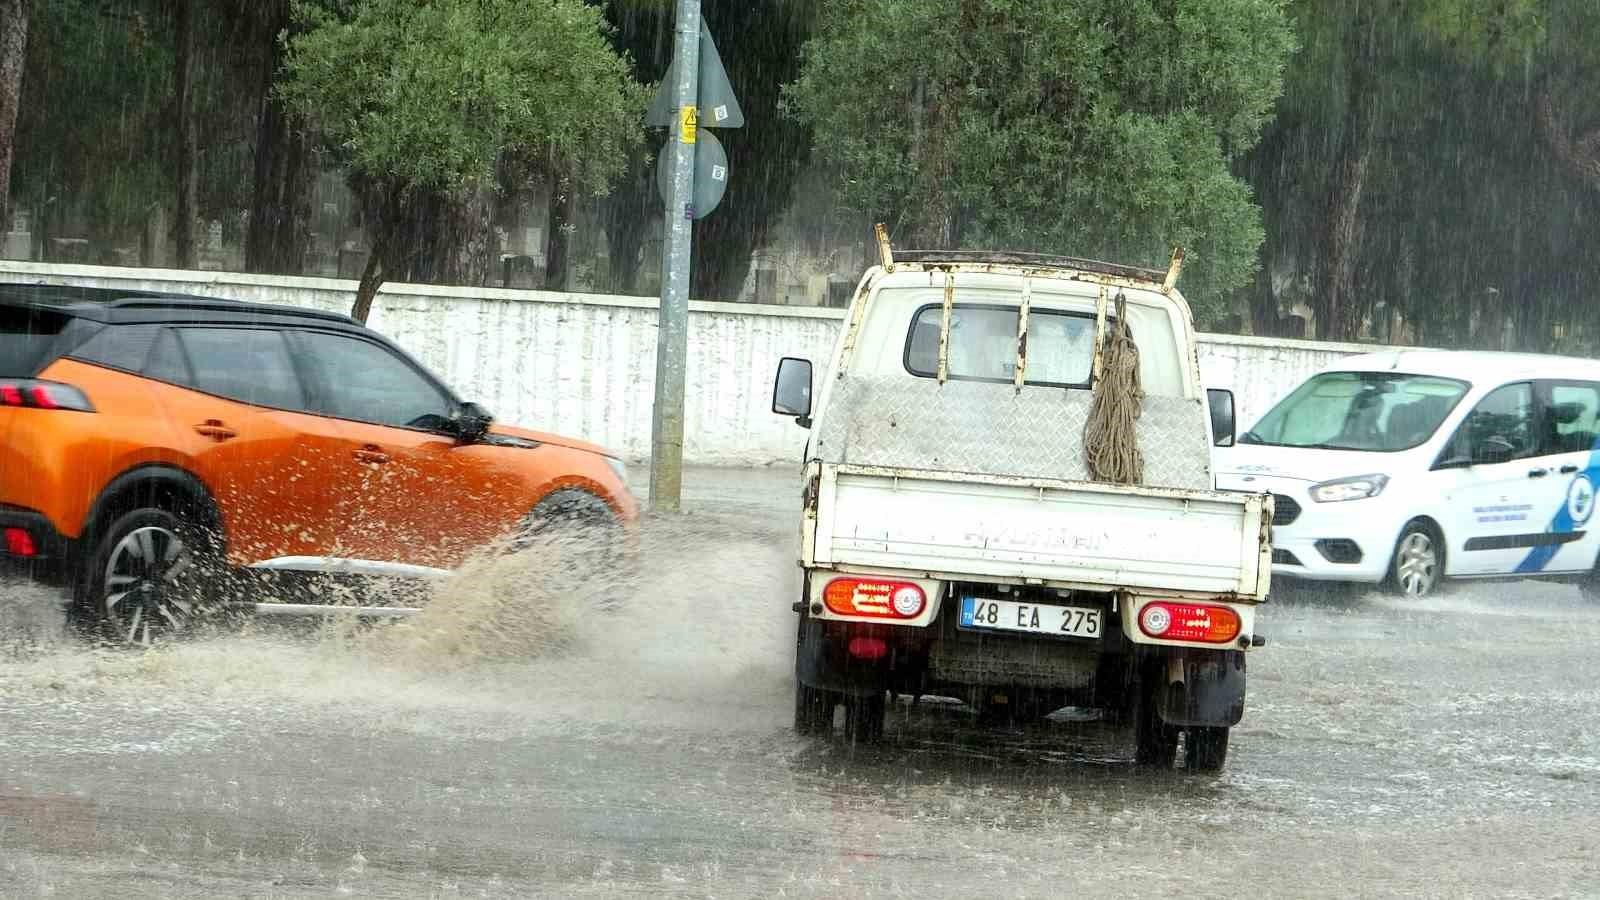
1377 411
27 339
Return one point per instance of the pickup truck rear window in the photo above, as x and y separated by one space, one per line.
983 345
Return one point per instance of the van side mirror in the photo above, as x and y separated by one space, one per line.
1223 425
791 394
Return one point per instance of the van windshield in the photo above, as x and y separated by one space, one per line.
1373 411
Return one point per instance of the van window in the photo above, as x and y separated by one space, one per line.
983 345
1570 419
1500 428
1372 411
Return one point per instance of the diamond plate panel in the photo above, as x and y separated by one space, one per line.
990 429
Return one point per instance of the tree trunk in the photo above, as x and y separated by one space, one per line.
558 242
371 280
279 233
1334 300
1579 156
1265 312
13 59
188 212
462 239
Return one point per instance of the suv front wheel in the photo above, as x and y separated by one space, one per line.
143 581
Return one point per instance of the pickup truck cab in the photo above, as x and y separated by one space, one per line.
953 541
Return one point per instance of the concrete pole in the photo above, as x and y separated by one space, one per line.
672 339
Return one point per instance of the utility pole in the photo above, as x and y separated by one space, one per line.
672 339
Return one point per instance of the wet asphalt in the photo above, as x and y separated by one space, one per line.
525 742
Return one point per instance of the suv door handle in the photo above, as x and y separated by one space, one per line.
214 429
1538 473
1569 469
371 454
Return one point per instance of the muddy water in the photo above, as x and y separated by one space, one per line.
528 739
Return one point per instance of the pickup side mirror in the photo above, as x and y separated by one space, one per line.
471 422
1223 425
791 394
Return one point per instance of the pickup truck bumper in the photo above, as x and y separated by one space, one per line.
1192 686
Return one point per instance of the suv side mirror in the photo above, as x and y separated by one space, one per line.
1223 425
791 394
471 422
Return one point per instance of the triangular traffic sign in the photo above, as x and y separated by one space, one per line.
719 108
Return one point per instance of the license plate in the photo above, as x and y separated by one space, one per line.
1032 618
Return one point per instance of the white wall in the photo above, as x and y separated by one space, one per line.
584 364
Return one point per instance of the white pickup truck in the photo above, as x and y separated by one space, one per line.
953 541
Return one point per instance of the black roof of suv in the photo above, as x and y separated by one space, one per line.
118 307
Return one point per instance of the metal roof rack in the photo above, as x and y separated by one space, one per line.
98 303
1042 260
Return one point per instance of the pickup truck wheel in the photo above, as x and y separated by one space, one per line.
1206 749
813 709
863 718
1155 742
1418 563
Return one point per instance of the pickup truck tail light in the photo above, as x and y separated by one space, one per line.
874 598
1197 622
43 395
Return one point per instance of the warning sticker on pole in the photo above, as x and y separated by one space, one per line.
688 123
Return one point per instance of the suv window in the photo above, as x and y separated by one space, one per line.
125 347
1501 427
29 339
1570 418
365 382
983 345
246 364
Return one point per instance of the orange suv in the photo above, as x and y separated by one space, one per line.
144 434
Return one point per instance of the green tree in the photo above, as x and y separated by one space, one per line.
1089 127
13 55
1417 163
426 100
760 45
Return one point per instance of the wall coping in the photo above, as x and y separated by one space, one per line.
399 290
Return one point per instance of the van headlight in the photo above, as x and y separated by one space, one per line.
1341 489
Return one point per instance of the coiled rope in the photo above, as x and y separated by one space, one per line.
1110 437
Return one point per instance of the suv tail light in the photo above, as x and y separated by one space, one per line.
20 543
43 395
874 598
1189 622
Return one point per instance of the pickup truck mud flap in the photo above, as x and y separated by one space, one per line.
1202 689
826 665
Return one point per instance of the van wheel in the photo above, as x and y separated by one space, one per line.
1418 563
1205 749
143 582
863 718
813 709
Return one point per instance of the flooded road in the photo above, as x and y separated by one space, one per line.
1443 749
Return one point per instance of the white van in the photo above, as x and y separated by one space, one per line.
1405 468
